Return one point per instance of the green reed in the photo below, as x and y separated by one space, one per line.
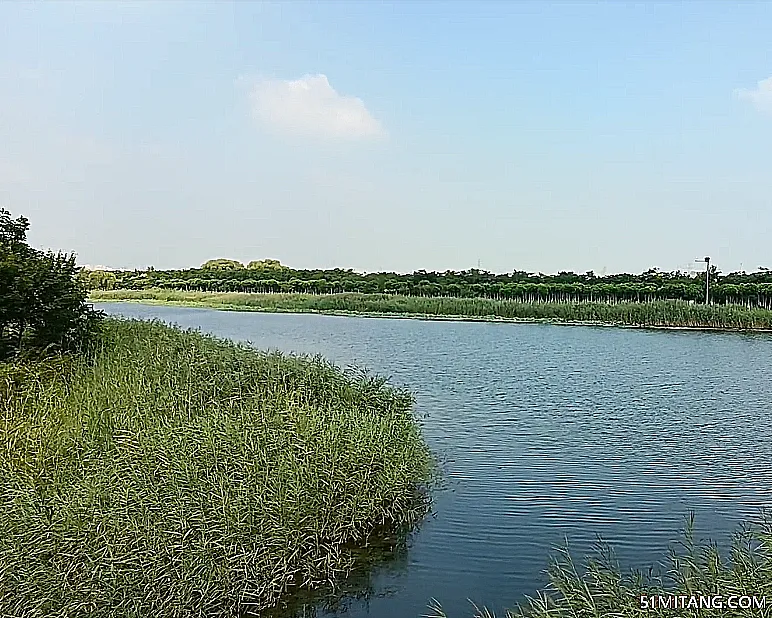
651 314
174 474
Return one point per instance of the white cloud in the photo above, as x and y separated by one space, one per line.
761 96
310 106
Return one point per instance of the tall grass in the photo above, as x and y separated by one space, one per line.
174 474
602 590
651 314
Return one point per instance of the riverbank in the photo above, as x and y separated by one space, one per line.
176 474
660 314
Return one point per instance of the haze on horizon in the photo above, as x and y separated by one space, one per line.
391 136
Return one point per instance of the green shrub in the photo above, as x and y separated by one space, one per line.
42 303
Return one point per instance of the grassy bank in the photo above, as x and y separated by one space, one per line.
674 314
179 475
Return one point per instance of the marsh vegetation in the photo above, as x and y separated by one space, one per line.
174 474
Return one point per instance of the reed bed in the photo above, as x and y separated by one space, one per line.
174 474
693 571
674 314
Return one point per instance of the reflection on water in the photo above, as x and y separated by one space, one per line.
386 552
547 433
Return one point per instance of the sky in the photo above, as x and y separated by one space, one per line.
536 136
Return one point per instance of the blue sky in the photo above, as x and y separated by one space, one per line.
401 136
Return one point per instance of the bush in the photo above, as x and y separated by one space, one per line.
42 303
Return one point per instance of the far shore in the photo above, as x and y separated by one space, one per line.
211 302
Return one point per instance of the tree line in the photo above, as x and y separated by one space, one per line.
270 276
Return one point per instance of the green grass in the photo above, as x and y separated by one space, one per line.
174 474
602 590
673 314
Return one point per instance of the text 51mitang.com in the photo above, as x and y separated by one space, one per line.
708 601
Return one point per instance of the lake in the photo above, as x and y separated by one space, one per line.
546 433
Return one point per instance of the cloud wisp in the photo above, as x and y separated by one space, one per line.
311 107
760 96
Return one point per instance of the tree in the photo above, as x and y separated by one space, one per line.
266 264
42 301
222 264
98 279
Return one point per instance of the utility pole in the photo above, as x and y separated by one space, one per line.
707 278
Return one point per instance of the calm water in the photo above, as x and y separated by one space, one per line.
547 433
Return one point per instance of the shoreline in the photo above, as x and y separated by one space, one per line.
421 316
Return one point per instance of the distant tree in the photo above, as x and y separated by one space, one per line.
42 301
222 264
98 279
266 264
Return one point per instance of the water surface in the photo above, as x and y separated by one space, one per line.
546 433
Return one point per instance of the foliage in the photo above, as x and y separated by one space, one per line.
266 265
179 475
651 314
98 279
221 264
42 302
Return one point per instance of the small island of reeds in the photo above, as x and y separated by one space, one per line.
168 473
